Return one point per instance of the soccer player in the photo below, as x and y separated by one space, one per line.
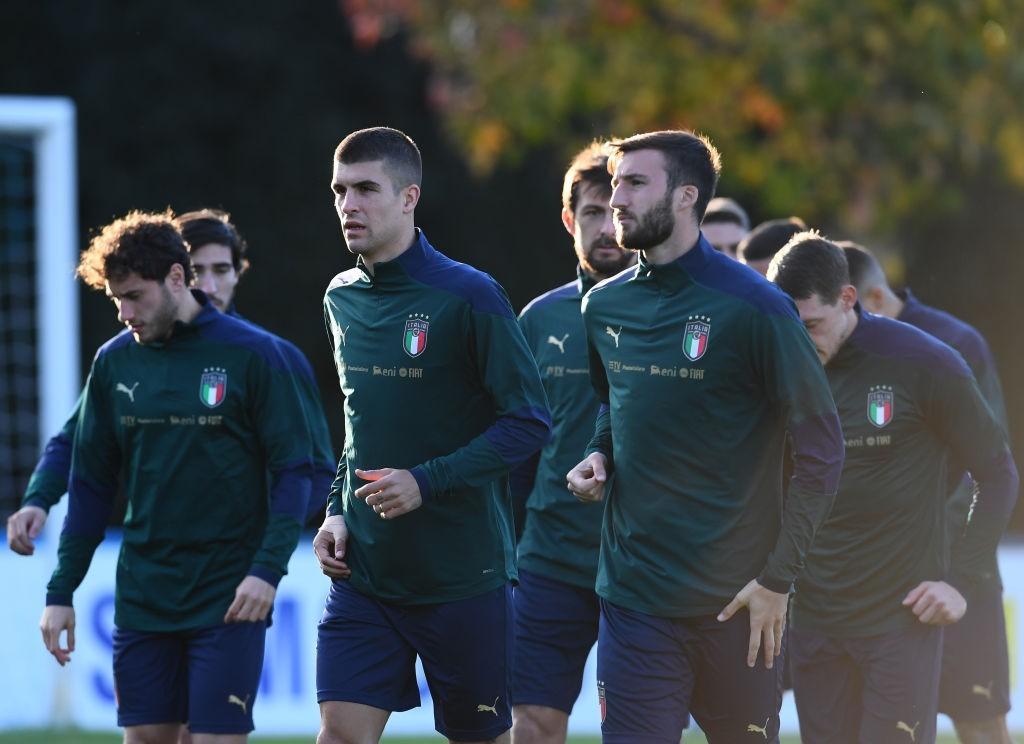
879 584
725 225
188 410
556 609
701 367
218 255
767 239
442 399
974 689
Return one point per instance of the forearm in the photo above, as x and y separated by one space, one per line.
74 555
289 498
601 442
49 481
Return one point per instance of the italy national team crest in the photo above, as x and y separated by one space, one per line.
414 340
695 337
880 400
213 386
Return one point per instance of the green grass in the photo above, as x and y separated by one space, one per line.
81 737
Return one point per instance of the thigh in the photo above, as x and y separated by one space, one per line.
224 666
901 685
828 688
466 650
360 656
555 628
732 702
644 678
150 678
975 681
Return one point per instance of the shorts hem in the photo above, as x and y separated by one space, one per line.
974 716
199 728
466 735
538 701
143 720
335 696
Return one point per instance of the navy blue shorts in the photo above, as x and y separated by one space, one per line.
207 678
556 626
975 681
366 653
873 690
653 671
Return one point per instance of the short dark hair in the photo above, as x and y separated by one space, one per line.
725 211
689 159
865 271
206 226
810 265
589 166
144 243
767 239
400 154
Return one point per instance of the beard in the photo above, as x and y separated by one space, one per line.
159 327
595 263
653 228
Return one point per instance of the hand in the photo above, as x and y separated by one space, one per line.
56 619
586 480
767 620
253 599
391 493
936 603
329 547
23 527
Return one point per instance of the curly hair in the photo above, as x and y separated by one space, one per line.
144 243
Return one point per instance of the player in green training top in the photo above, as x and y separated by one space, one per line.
881 578
556 607
702 367
195 416
442 399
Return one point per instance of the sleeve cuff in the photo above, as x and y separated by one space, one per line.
38 502
266 573
60 600
423 481
779 586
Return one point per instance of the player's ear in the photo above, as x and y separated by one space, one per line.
848 296
175 279
410 198
686 196
569 220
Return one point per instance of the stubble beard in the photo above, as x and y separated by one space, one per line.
654 228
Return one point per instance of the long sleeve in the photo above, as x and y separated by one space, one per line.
509 374
284 434
795 381
336 499
602 439
49 481
92 487
963 419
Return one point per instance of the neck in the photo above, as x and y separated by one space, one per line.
851 325
682 240
391 250
188 308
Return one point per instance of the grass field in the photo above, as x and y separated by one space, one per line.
80 737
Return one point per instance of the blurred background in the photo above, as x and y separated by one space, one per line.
898 125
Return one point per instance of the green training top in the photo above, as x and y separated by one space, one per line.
437 380
562 535
191 427
908 403
704 366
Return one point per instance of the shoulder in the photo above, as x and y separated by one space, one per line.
568 291
241 334
345 279
477 288
896 340
745 285
948 328
118 342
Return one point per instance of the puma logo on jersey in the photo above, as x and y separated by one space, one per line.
560 344
614 334
342 332
985 692
243 704
129 391
763 730
901 726
492 708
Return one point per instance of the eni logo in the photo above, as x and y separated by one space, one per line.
901 726
492 708
614 334
763 730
